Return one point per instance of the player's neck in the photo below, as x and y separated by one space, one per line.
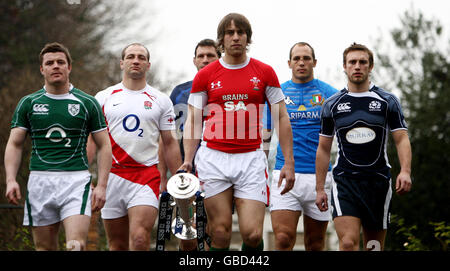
235 59
133 84
361 87
57 89
302 81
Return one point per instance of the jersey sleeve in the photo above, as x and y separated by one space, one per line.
198 99
396 119
326 121
101 97
274 93
167 119
97 119
20 116
328 90
200 82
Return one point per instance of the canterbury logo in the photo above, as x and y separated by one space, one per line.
343 107
41 108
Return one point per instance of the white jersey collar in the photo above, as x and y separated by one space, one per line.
59 95
234 67
370 86
146 88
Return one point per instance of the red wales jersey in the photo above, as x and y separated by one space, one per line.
233 98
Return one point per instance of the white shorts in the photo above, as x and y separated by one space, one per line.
54 196
246 172
302 197
122 194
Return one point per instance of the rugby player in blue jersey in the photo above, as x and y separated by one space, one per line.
205 52
360 116
304 96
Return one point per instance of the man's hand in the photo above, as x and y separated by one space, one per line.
288 174
186 166
403 183
13 192
98 198
322 200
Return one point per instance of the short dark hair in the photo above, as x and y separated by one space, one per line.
302 44
208 43
135 43
358 47
240 21
55 47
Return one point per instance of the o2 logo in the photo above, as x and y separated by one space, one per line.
131 123
60 135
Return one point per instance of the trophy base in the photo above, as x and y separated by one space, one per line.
187 233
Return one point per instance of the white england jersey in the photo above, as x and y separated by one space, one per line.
135 119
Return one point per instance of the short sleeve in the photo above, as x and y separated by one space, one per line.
326 121
396 119
97 121
20 116
167 119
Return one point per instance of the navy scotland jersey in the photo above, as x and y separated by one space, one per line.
179 97
361 122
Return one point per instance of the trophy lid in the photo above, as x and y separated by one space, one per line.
183 185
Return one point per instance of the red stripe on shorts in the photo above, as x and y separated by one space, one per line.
145 176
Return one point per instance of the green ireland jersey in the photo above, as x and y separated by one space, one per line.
59 126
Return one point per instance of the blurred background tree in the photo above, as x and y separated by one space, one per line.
416 63
90 29
413 62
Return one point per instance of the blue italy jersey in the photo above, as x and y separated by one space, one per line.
304 103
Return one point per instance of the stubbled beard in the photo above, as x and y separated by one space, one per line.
358 81
136 75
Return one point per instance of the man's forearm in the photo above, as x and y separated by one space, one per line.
404 152
285 138
173 156
104 161
13 153
13 158
104 156
323 155
192 133
190 148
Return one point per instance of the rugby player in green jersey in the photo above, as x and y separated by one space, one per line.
58 118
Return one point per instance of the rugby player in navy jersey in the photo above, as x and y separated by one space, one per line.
304 96
360 116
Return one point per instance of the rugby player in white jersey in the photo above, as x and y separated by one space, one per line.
137 115
58 118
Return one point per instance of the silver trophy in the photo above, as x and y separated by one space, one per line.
183 187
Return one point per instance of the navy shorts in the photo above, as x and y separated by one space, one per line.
368 199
